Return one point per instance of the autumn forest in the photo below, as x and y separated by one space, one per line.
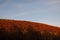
24 30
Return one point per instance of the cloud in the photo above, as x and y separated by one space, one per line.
53 2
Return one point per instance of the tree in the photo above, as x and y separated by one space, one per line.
16 33
46 35
3 33
56 37
31 34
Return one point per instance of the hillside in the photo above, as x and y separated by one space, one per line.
26 30
7 24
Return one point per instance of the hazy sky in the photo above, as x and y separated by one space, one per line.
45 11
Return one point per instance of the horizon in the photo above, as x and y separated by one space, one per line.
41 11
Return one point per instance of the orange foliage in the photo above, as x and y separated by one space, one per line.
7 24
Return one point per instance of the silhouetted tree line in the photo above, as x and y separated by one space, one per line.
17 34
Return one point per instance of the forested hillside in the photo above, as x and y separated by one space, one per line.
25 30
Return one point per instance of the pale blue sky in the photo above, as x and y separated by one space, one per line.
44 11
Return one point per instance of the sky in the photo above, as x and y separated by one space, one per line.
42 11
